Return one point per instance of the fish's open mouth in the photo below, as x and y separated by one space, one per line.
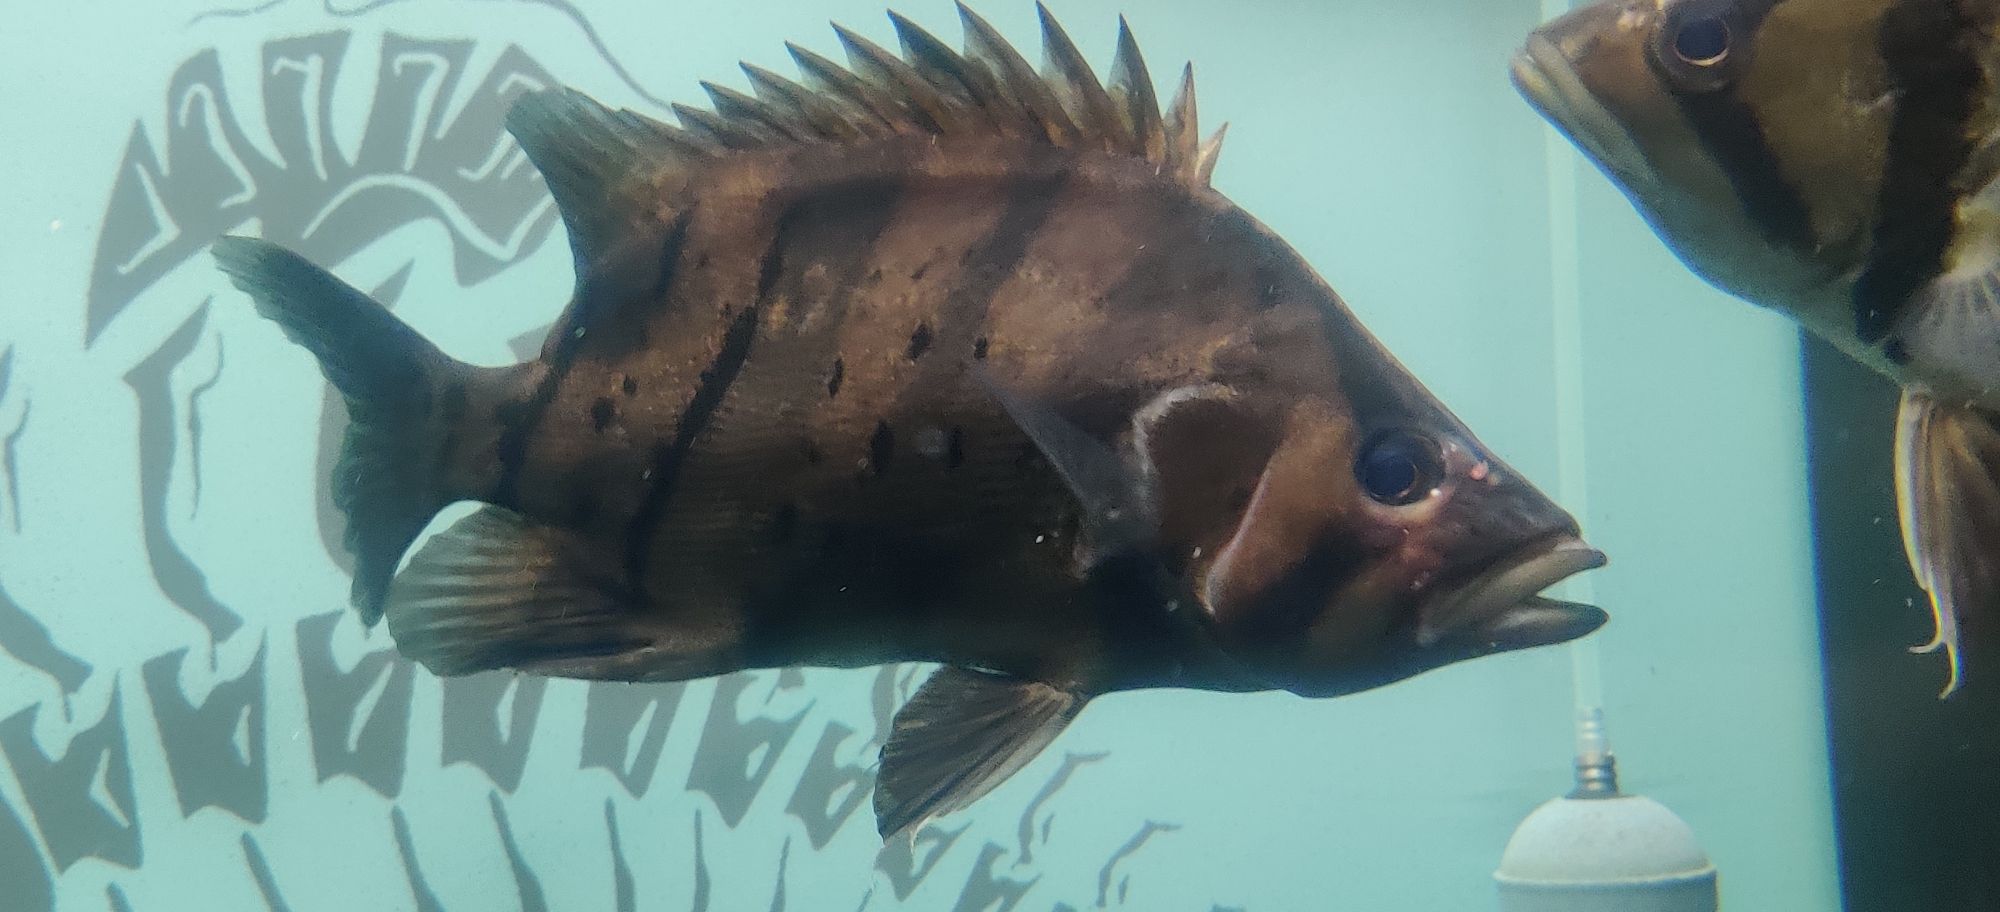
1502 608
1544 76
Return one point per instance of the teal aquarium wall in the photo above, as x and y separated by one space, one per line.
189 719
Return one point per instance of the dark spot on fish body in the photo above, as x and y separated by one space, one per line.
629 385
1930 50
812 454
979 347
954 455
602 413
881 449
594 302
920 342
833 380
918 274
1897 353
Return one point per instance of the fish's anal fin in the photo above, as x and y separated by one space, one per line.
1119 515
1948 503
499 591
963 733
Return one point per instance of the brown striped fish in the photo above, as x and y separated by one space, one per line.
932 357
1835 160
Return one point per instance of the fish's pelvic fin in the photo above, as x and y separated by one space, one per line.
499 591
962 734
1948 503
387 479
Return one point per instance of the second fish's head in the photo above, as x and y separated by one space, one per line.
1374 540
1753 135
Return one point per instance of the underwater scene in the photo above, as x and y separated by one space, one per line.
1352 454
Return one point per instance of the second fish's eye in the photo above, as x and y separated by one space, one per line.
1703 41
1398 468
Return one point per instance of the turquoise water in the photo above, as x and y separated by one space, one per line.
189 719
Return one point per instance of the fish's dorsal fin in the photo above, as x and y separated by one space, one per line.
590 156
593 156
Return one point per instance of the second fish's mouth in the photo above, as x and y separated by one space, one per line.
1544 76
1502 607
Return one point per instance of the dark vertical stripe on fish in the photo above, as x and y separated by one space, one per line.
961 318
834 228
1728 129
670 455
521 419
1928 47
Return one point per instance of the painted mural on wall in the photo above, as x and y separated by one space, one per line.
167 781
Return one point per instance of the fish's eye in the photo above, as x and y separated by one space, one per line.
1701 46
1702 42
1398 468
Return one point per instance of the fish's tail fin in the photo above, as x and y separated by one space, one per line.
388 478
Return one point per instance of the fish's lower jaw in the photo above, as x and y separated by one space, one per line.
1502 606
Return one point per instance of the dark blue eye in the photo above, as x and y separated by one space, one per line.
1702 42
1399 467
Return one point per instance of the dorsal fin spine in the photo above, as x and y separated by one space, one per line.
1077 86
1133 86
1183 128
593 157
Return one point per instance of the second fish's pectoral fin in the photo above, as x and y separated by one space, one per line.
498 591
1948 500
963 733
1118 512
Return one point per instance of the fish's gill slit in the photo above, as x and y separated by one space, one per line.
1937 74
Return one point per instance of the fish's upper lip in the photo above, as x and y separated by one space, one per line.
1509 583
1543 75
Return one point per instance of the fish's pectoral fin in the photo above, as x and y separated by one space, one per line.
499 591
1948 502
963 733
1119 515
